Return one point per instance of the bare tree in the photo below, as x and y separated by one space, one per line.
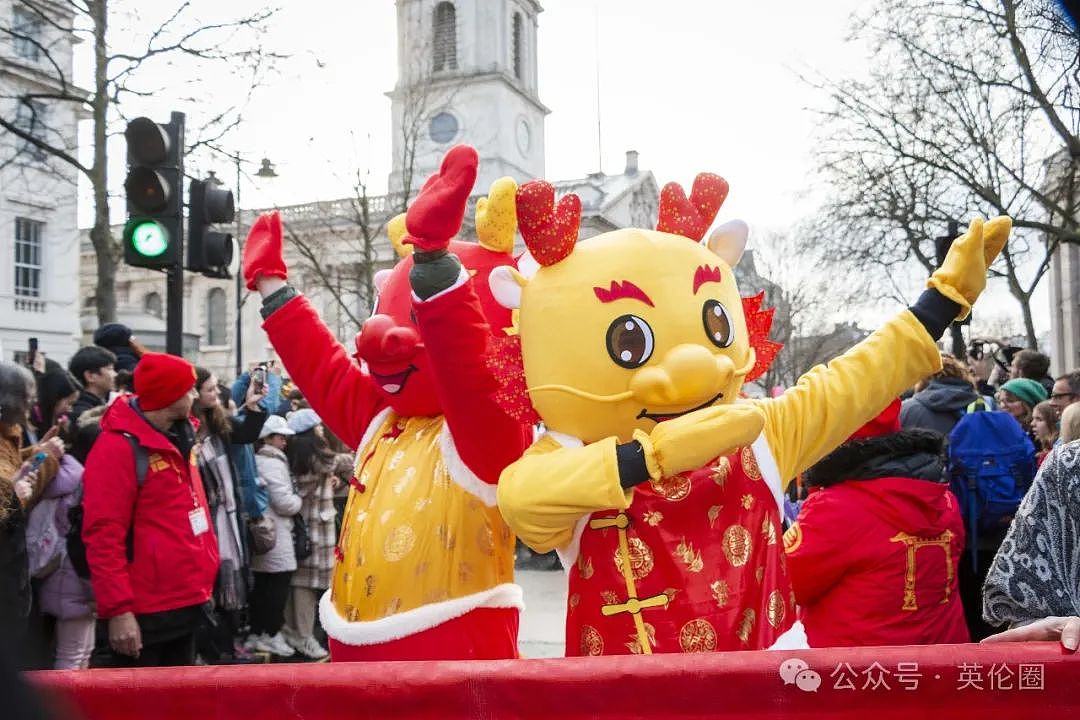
970 109
119 75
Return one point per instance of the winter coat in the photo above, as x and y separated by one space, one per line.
173 567
939 406
255 497
85 401
873 557
273 470
13 454
63 594
317 491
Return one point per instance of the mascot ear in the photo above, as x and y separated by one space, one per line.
729 241
395 230
506 284
381 278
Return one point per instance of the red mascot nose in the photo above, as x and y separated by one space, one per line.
381 340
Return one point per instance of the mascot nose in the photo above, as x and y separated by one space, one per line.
381 340
687 376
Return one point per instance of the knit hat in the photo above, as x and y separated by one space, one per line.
275 425
161 380
1030 391
303 420
112 335
886 423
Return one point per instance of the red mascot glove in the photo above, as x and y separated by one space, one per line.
435 215
263 255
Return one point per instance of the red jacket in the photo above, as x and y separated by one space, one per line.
874 562
173 567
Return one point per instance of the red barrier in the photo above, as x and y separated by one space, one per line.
947 681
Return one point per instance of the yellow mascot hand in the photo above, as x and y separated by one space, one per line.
689 441
496 216
962 276
395 230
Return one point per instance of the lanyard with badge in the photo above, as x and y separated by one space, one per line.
200 523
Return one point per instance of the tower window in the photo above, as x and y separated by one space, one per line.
444 40
152 304
517 59
215 315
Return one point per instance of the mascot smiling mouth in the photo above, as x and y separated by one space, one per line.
394 383
659 418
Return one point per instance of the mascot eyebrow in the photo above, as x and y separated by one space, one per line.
624 289
704 274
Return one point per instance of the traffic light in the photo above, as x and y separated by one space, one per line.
208 251
155 156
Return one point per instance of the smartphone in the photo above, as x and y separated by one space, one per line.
34 466
258 377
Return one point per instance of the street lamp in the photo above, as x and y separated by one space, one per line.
266 170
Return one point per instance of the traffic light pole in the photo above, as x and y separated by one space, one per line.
174 291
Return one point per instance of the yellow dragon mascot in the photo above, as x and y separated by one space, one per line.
659 486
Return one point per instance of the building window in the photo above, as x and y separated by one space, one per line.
28 258
518 50
26 33
30 118
216 321
444 40
152 304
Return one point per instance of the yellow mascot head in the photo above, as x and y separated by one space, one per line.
631 327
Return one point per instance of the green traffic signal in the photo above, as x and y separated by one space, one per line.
145 239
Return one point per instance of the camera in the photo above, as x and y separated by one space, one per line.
258 377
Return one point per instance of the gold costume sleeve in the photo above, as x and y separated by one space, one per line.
832 401
545 493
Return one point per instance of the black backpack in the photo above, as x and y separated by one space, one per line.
76 548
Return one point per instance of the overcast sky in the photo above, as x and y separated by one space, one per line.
693 85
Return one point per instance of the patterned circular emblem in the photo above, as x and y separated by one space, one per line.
776 609
399 543
641 558
591 642
792 538
721 470
672 488
697 636
737 545
749 464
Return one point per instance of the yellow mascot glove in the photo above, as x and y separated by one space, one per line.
689 441
496 216
962 276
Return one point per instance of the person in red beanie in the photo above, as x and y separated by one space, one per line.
149 542
873 556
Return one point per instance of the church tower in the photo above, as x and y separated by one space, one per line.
467 74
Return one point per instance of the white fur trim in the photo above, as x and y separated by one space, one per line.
569 555
504 287
411 622
794 638
462 278
460 473
527 266
372 428
770 472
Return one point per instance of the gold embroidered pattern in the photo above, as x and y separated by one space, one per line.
585 568
653 517
721 470
671 593
720 592
690 557
395 460
673 488
574 600
746 625
609 597
641 558
914 544
768 531
399 543
634 645
697 636
760 573
714 512
446 537
591 642
775 609
351 613
485 540
392 607
369 585
737 545
747 501
792 538
465 572
749 464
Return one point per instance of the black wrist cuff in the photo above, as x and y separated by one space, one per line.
935 312
275 300
434 274
632 468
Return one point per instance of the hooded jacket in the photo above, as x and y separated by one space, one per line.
939 406
173 567
873 556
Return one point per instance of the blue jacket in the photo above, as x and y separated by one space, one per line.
256 499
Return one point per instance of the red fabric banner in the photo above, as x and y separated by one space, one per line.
944 681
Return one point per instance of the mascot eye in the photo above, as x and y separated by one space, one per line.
717 324
629 341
